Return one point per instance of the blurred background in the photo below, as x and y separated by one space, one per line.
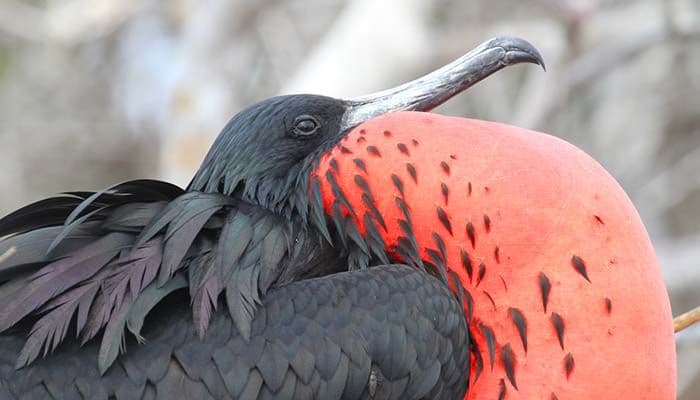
93 92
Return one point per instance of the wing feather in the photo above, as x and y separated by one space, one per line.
62 274
99 262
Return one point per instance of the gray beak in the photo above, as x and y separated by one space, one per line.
435 88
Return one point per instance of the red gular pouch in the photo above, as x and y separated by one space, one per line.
564 296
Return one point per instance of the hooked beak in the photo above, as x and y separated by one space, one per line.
435 88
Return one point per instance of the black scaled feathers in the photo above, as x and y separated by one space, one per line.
411 341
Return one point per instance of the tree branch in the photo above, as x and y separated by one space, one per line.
686 319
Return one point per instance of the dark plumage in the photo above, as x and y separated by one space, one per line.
306 343
129 245
90 269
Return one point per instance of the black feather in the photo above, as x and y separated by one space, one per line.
490 342
545 288
52 328
132 217
26 252
148 299
558 323
508 359
43 213
70 227
520 323
60 275
184 222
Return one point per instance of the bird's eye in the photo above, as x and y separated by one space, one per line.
305 125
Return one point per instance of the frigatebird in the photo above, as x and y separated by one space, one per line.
243 285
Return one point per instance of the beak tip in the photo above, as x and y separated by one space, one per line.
518 51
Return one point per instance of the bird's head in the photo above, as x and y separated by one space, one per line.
267 151
263 151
